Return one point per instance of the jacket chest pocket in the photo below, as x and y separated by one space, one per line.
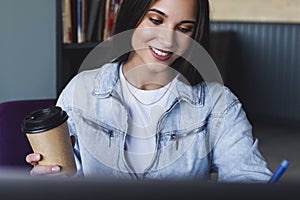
100 142
178 137
182 145
96 131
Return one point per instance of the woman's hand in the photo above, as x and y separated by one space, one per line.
34 158
37 169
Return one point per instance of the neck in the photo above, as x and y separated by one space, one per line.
148 76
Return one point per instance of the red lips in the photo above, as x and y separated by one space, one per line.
160 54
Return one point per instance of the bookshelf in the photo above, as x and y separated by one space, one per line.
75 45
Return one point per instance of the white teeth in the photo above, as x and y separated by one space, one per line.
160 53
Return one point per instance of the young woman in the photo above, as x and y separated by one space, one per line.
150 115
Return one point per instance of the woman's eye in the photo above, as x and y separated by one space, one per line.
184 30
155 21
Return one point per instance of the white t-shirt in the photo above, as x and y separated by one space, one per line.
145 108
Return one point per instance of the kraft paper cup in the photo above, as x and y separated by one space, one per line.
48 134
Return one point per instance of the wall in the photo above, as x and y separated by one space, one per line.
264 66
27 49
256 10
264 69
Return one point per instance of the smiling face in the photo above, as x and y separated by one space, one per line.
163 34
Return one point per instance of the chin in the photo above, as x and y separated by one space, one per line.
158 68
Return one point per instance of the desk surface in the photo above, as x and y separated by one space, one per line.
16 186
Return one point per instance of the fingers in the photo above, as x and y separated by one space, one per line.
33 158
37 169
44 170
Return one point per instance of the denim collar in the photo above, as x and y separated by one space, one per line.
107 79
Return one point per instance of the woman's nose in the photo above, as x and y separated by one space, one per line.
167 38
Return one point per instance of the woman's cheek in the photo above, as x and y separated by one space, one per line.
183 42
141 37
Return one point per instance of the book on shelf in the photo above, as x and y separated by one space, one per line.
96 14
106 19
100 21
81 20
111 10
74 20
88 20
66 21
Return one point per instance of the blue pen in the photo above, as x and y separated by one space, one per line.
279 171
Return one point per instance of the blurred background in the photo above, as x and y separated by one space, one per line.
255 44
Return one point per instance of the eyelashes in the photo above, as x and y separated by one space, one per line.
185 30
180 28
155 21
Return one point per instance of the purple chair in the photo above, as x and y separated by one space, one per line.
14 145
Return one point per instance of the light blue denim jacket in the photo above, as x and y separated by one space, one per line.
203 130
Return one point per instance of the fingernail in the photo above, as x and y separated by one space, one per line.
37 157
55 169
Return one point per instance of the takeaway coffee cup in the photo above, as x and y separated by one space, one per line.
48 134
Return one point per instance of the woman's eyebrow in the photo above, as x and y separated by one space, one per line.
165 15
159 12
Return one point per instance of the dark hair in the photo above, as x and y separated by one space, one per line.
131 12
